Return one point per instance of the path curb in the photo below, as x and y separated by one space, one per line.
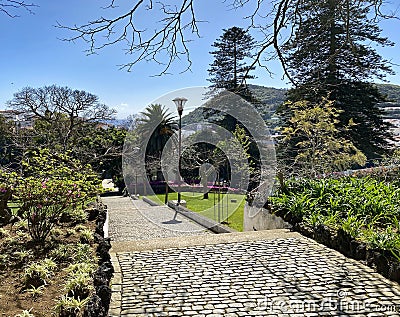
207 223
201 220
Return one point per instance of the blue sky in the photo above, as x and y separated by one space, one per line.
32 54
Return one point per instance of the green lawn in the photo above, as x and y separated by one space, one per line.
225 211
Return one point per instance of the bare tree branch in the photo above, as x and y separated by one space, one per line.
8 6
164 45
176 25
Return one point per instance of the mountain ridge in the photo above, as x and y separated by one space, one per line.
271 98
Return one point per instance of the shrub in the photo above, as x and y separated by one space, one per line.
8 181
86 236
4 260
83 253
74 216
62 253
52 183
43 203
70 232
4 233
35 292
79 285
22 225
10 241
38 274
82 267
23 256
69 306
80 228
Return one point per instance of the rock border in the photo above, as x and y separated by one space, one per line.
99 303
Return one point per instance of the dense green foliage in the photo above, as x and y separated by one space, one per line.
366 208
48 184
155 126
63 119
333 57
230 71
314 136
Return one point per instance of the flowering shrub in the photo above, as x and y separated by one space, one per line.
52 183
43 202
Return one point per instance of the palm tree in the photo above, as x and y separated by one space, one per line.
156 126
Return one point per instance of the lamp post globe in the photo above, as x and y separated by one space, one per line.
180 103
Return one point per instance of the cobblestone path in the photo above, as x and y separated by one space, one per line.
270 273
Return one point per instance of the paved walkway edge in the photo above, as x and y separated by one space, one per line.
207 223
116 288
188 241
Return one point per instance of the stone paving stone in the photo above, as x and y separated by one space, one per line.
136 220
281 277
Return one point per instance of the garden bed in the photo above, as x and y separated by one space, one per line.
56 277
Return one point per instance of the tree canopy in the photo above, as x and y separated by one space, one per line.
167 42
61 111
64 120
331 56
229 70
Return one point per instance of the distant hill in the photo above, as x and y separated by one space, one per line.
121 123
271 98
392 92
392 107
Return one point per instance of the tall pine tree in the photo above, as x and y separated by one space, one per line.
332 55
229 70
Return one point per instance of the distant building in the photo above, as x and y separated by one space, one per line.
20 119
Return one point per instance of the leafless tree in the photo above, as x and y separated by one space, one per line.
63 110
177 24
8 7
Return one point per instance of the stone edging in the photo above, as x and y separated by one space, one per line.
196 217
150 202
201 220
116 287
99 303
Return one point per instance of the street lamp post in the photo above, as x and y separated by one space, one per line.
179 102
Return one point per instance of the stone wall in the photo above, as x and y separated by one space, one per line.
256 219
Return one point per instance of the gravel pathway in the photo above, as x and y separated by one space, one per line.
136 220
